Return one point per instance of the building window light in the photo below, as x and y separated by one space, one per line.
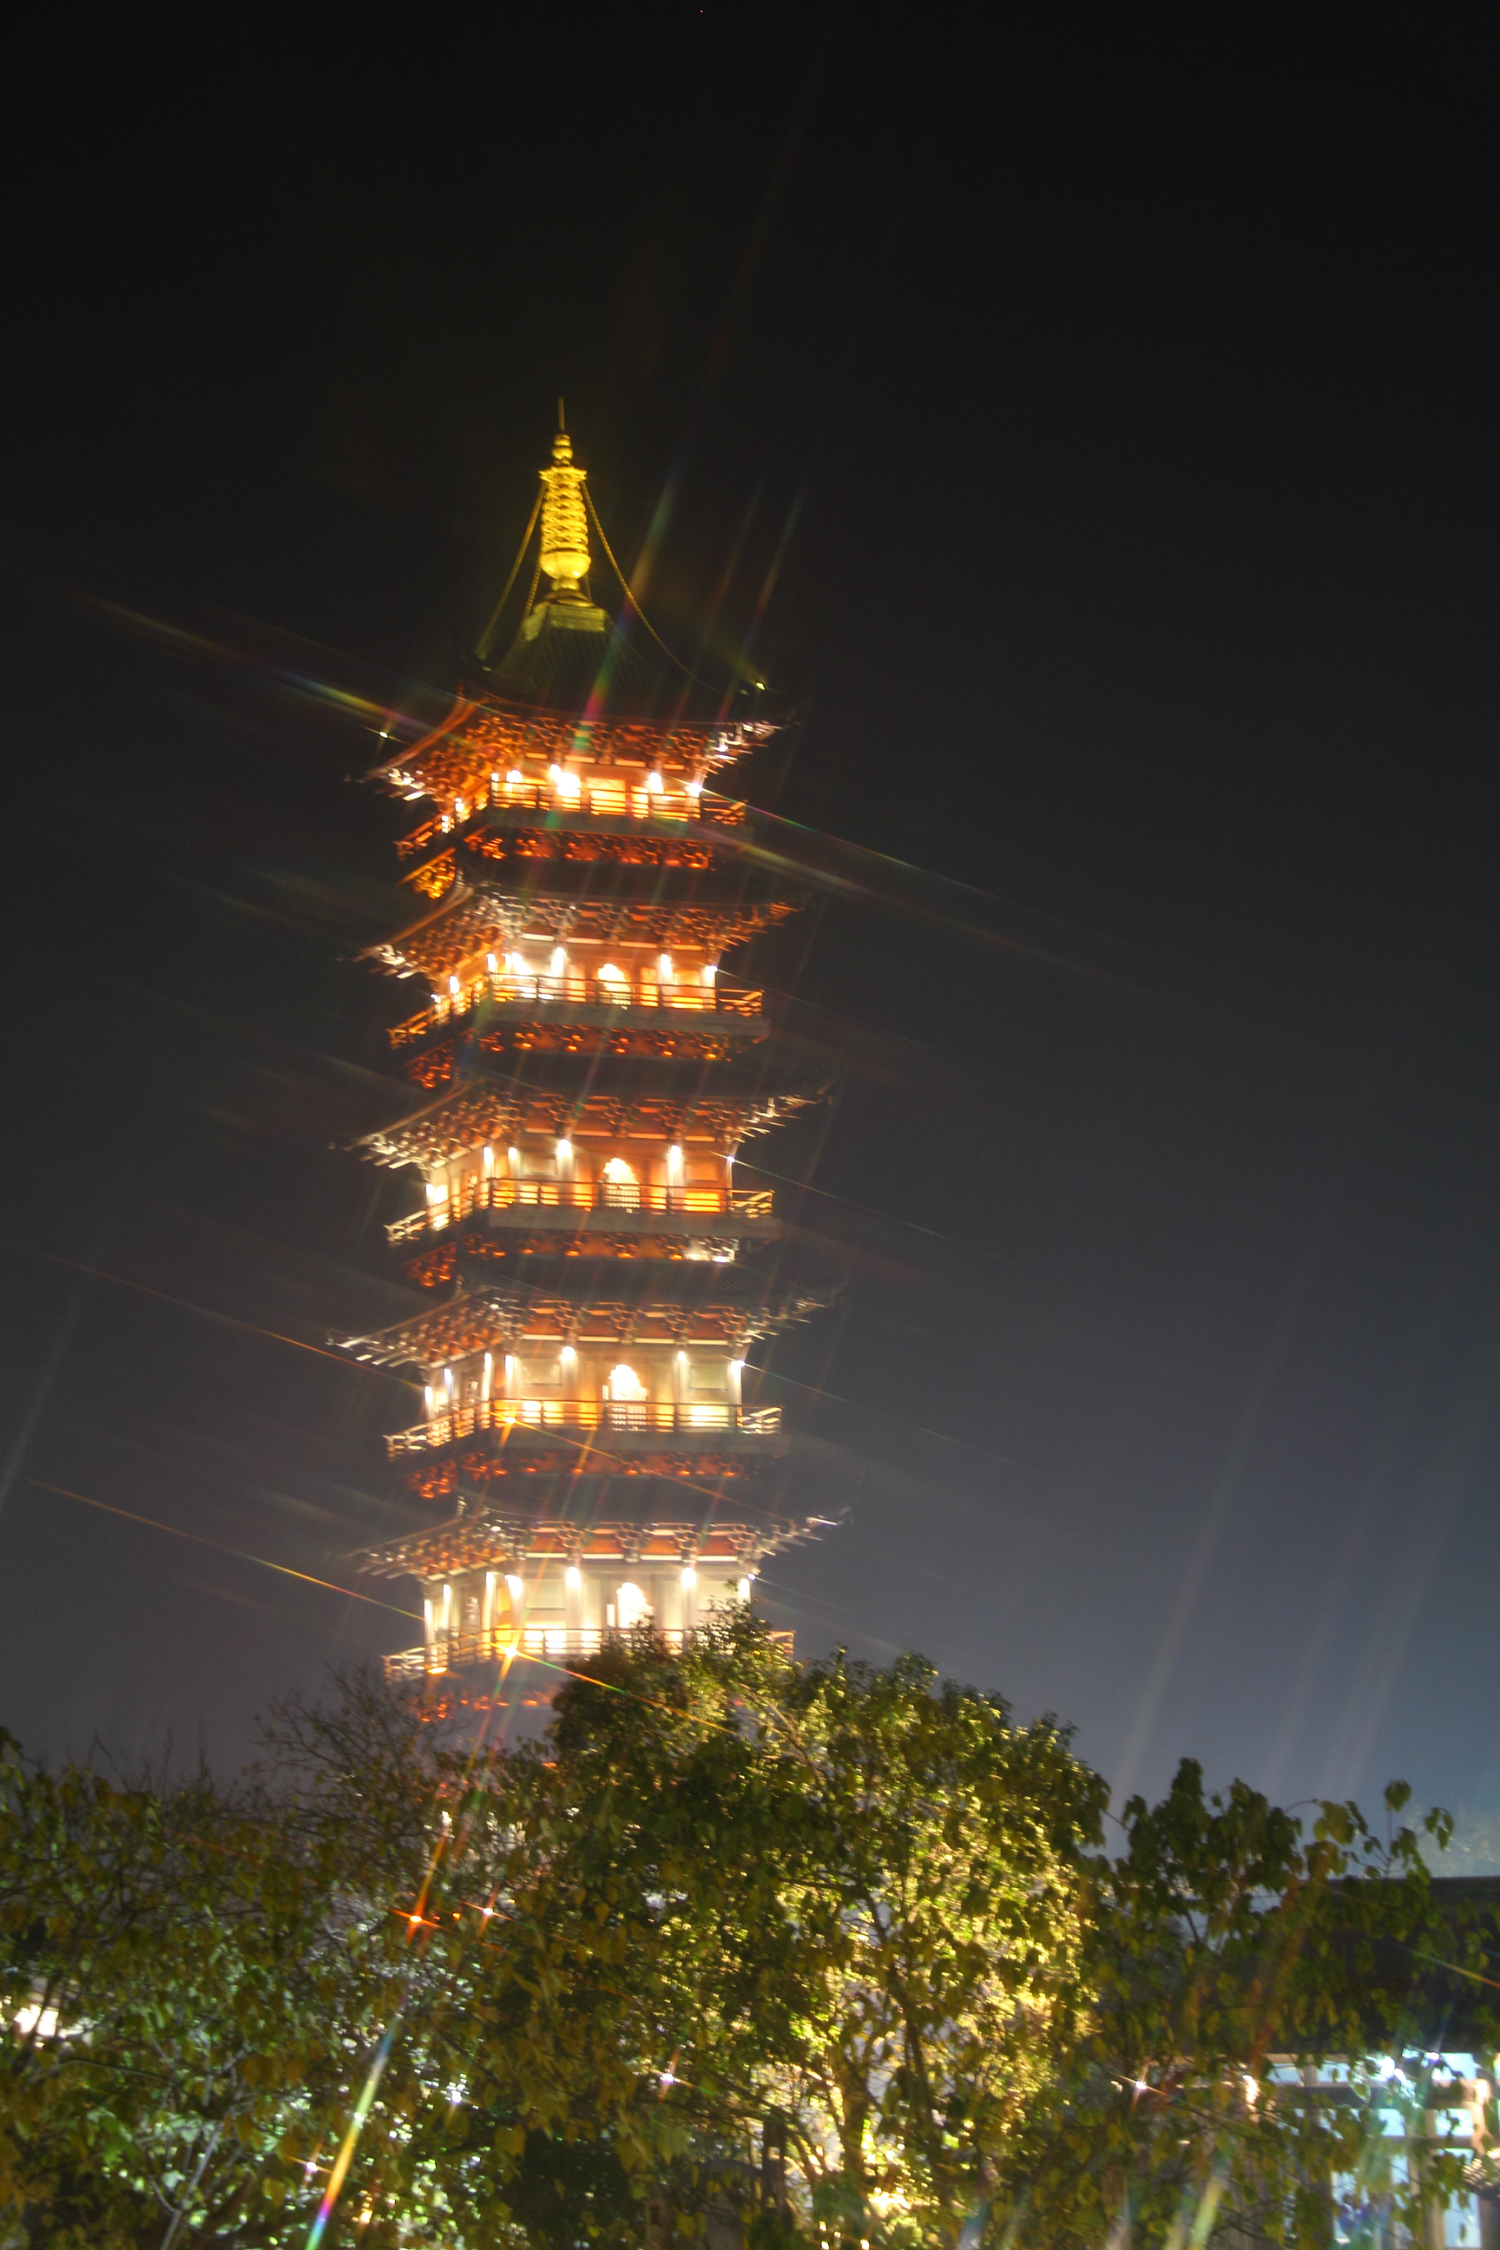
655 784
453 986
489 1158
559 960
427 1394
745 1585
448 1380
436 1192
514 1586
491 963
664 964
515 779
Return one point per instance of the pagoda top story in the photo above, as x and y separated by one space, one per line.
590 1280
577 680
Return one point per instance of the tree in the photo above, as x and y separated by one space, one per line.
1228 1948
551 1996
853 1897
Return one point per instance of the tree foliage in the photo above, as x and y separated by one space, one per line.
552 1995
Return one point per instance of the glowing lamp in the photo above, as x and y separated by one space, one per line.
574 1577
689 1578
514 1586
655 784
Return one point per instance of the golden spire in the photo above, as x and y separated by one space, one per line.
565 531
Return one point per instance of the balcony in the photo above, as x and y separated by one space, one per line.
455 1652
614 799
623 1417
623 1202
576 998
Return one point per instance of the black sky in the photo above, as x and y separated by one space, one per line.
1100 429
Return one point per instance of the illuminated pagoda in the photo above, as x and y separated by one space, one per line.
595 1280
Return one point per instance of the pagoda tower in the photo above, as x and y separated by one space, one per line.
584 1074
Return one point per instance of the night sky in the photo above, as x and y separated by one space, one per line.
1095 436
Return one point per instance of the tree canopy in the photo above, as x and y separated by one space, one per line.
558 1994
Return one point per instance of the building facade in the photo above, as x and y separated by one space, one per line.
582 1072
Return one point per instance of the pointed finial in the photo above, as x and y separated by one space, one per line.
565 531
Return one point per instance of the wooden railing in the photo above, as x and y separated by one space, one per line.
600 796
637 1416
581 1195
508 989
453 1652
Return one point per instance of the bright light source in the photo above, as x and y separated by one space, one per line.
574 1576
564 1150
515 778
695 788
689 1577
568 1354
664 964
655 784
491 963
744 1589
559 960
514 1586
453 985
